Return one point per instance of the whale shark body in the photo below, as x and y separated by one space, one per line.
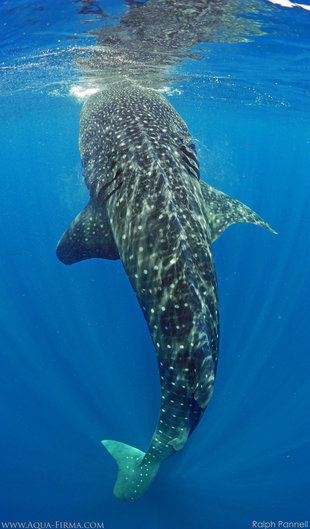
149 208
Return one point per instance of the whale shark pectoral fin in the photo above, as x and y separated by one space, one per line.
134 473
88 236
221 211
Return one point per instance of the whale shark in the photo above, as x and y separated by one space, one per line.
149 208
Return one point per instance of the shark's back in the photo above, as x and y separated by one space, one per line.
140 164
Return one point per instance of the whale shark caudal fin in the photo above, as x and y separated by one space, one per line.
88 236
134 473
221 211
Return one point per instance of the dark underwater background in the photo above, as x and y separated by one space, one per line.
77 361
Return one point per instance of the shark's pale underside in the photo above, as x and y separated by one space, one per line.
149 208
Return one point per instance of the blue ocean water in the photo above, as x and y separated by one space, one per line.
77 361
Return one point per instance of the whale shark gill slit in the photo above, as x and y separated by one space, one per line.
102 198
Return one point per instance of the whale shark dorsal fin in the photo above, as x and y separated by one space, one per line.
88 236
178 442
221 211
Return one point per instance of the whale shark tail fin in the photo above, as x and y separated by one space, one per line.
135 472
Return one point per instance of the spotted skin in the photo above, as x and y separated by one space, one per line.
149 208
